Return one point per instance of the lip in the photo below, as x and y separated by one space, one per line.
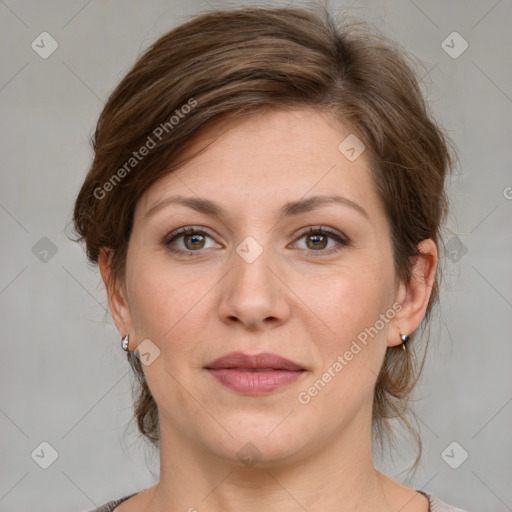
262 361
254 374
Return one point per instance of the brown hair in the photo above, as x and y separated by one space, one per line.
240 62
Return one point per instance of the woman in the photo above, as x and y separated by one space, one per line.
265 206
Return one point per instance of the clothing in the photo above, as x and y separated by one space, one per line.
435 504
111 505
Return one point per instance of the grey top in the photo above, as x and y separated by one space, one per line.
435 504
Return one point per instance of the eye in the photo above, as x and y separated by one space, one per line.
192 240
317 240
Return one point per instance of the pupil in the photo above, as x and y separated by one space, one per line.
317 237
195 239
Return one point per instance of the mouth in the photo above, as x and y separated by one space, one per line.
254 374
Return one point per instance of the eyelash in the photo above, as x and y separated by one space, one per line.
322 230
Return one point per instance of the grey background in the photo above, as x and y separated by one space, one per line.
64 378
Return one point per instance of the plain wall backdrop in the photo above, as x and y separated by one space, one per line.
64 378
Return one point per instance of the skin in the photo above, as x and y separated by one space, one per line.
303 298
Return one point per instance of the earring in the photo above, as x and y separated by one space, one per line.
404 339
124 343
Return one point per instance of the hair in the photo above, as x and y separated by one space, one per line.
241 62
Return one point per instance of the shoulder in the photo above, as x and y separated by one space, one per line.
436 505
111 505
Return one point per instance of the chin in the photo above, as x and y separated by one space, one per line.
261 440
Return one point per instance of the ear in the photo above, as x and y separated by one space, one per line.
116 294
414 296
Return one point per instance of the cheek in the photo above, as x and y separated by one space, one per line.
351 346
350 298
157 297
170 306
351 350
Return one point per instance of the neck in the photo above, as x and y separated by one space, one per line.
333 475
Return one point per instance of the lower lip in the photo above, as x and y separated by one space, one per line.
255 383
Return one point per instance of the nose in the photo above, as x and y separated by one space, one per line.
254 294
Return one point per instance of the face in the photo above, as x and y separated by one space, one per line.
298 293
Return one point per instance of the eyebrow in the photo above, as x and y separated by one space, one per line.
288 209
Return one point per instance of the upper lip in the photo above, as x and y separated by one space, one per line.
262 361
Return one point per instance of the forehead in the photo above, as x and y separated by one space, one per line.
263 161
